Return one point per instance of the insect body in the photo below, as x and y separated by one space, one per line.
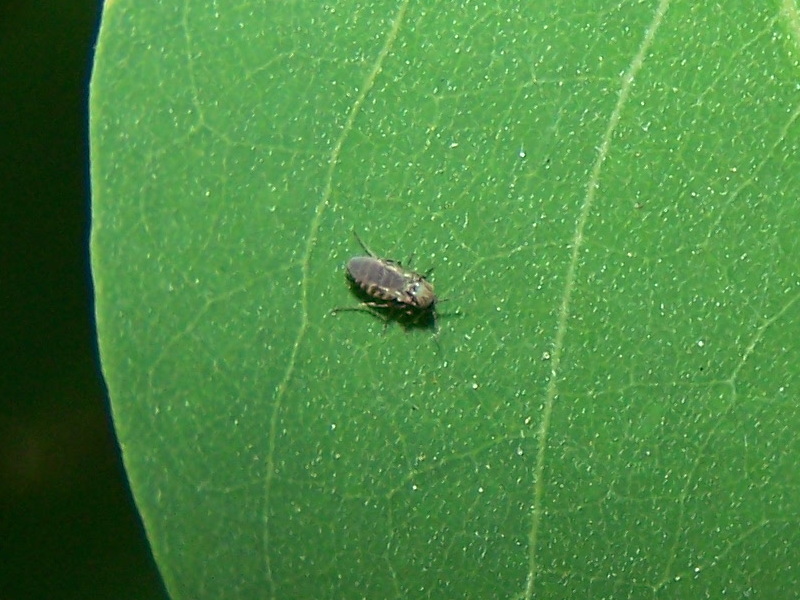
393 287
388 280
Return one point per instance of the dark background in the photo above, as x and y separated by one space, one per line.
68 526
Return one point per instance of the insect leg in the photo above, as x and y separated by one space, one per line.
369 307
363 306
366 307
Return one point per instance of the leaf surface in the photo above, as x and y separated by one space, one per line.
608 194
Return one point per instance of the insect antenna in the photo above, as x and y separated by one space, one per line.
362 244
456 312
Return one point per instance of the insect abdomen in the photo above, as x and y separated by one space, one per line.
378 278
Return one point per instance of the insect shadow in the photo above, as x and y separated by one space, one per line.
391 291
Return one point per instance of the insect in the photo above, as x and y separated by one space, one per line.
387 284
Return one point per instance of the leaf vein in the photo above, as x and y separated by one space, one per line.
333 160
551 392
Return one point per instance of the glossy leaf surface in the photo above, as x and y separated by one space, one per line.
608 194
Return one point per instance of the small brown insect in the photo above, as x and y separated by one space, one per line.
399 289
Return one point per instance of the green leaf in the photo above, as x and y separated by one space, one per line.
609 195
